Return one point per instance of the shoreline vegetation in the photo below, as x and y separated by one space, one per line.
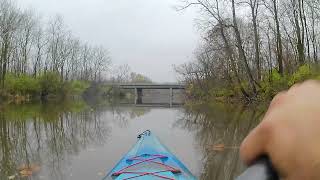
47 86
275 83
43 60
251 50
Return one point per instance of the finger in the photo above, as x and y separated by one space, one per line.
294 88
255 144
296 85
311 84
277 100
312 81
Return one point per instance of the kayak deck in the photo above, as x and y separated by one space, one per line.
149 159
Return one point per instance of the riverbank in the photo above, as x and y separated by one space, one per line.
47 86
205 90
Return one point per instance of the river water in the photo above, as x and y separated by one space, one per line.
79 140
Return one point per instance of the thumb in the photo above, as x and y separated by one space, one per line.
255 144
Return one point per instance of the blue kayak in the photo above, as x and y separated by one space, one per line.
149 159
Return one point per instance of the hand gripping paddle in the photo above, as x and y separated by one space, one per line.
262 169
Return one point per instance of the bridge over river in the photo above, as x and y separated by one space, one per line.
139 87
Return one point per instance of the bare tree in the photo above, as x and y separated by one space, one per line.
29 46
9 23
238 53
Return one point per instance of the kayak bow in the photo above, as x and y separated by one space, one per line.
149 159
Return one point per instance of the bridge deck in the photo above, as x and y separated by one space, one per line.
151 86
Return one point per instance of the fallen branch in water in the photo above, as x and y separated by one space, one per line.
221 147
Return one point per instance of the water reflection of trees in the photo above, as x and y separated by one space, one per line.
122 110
47 134
122 114
220 124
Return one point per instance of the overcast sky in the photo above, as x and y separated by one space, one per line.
149 35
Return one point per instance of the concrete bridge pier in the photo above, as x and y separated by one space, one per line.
171 96
135 95
138 95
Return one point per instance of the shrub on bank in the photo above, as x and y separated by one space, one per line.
44 85
21 85
303 73
272 83
50 83
74 88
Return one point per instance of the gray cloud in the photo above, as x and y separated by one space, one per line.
149 35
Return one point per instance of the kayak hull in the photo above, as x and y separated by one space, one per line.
149 159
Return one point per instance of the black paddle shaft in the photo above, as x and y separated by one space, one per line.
262 169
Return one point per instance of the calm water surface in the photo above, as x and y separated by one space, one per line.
72 141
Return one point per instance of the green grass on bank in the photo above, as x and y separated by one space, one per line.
45 85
